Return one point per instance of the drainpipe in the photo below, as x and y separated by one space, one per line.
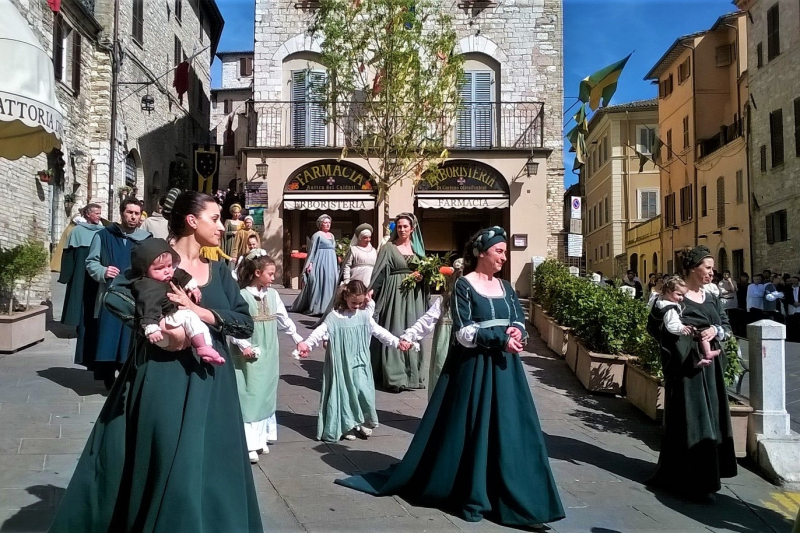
112 155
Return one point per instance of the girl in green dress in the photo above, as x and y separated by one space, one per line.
347 401
479 451
167 452
396 309
256 358
438 320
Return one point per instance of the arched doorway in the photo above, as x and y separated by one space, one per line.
655 262
634 263
722 265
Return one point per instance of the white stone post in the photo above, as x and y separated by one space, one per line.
769 438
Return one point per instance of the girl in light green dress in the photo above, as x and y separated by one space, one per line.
347 401
256 359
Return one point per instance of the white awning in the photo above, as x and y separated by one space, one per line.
329 202
30 116
462 201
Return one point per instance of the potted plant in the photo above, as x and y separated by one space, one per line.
22 263
45 176
644 384
124 191
342 247
739 405
69 202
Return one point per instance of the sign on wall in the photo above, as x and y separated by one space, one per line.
575 207
463 176
330 175
576 226
574 245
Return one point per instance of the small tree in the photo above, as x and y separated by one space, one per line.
22 263
393 83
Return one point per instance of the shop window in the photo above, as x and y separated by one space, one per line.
308 110
474 124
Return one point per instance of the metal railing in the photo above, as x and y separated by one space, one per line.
471 126
726 135
647 229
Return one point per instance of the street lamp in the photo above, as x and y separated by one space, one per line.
262 169
148 103
531 167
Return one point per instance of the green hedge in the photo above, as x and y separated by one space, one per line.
605 319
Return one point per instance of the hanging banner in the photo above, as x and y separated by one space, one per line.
206 166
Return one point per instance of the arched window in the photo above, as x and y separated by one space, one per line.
634 263
130 169
306 78
723 261
476 126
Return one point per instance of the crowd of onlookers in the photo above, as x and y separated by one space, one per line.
771 295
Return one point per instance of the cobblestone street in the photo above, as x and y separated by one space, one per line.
601 450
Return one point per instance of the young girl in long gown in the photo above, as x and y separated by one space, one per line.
347 402
256 358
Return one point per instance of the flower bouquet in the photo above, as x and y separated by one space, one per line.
427 270
342 247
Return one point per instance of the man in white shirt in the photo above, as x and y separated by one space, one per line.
755 293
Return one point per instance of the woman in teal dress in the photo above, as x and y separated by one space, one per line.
320 272
396 309
167 453
479 450
697 448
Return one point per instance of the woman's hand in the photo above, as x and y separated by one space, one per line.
708 334
309 267
513 345
248 353
180 297
303 349
514 333
178 340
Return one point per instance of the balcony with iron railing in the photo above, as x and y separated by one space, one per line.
644 231
470 126
727 134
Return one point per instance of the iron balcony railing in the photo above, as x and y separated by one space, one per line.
471 126
726 135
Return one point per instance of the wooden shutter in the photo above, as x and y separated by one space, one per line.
773 33
58 47
739 186
308 114
797 127
137 29
76 62
782 222
759 55
299 108
245 66
770 229
776 136
763 154
316 111
474 122
703 201
720 202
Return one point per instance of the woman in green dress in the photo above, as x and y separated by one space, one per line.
479 451
697 448
168 452
396 309
256 358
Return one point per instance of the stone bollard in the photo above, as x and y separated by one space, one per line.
769 438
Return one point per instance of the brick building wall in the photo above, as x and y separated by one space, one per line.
526 39
773 84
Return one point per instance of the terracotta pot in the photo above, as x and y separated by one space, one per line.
45 177
557 340
740 415
22 329
600 372
572 351
644 391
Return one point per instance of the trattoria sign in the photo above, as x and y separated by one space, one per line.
30 112
330 175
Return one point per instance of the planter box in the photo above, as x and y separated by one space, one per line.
572 351
22 329
740 414
644 391
532 312
600 372
557 340
538 313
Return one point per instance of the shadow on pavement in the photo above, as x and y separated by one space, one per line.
36 516
598 412
80 381
305 425
55 327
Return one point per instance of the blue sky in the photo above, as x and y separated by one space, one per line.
596 33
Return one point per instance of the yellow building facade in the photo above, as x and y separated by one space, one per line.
617 195
702 107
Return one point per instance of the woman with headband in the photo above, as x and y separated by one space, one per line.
479 451
240 247
697 447
396 309
360 258
320 271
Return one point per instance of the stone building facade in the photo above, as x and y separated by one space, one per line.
81 37
773 58
518 46
229 111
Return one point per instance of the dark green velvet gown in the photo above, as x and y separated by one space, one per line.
479 450
168 452
697 449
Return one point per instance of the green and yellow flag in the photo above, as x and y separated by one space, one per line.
578 141
601 84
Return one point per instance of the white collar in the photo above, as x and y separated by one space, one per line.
260 294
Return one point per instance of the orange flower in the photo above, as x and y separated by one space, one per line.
446 270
